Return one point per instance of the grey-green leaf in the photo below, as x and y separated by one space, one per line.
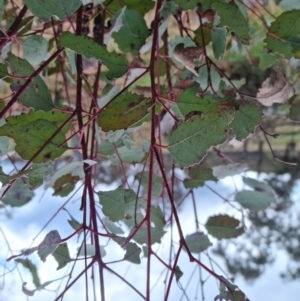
156 235
232 17
3 71
223 226
157 217
18 195
89 48
113 204
111 226
254 200
245 121
49 244
190 140
62 256
46 9
218 36
198 176
133 32
35 49
32 269
258 186
36 95
197 242
37 172
133 253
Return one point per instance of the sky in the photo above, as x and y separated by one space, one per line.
23 225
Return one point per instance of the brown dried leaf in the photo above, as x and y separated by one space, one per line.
275 89
186 56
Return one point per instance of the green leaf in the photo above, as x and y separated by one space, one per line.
186 5
254 200
26 263
30 137
133 33
133 220
238 24
64 185
134 155
49 244
111 226
18 195
4 143
57 118
141 235
124 111
207 35
178 273
259 186
218 41
37 172
141 6
90 49
107 148
36 95
114 136
295 112
157 217
197 242
2 4
223 226
245 120
190 140
267 60
168 8
198 176
205 4
102 251
32 292
62 256
132 204
35 49
113 203
289 4
73 222
88 250
228 170
156 183
3 71
74 168
46 9
284 34
190 102
202 79
133 253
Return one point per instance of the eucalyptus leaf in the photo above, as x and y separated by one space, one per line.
245 121
232 17
254 200
35 49
223 226
90 49
189 141
46 9
133 32
36 95
197 242
284 34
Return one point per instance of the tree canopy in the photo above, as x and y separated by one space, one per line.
126 108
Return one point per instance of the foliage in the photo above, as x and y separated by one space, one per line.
150 92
